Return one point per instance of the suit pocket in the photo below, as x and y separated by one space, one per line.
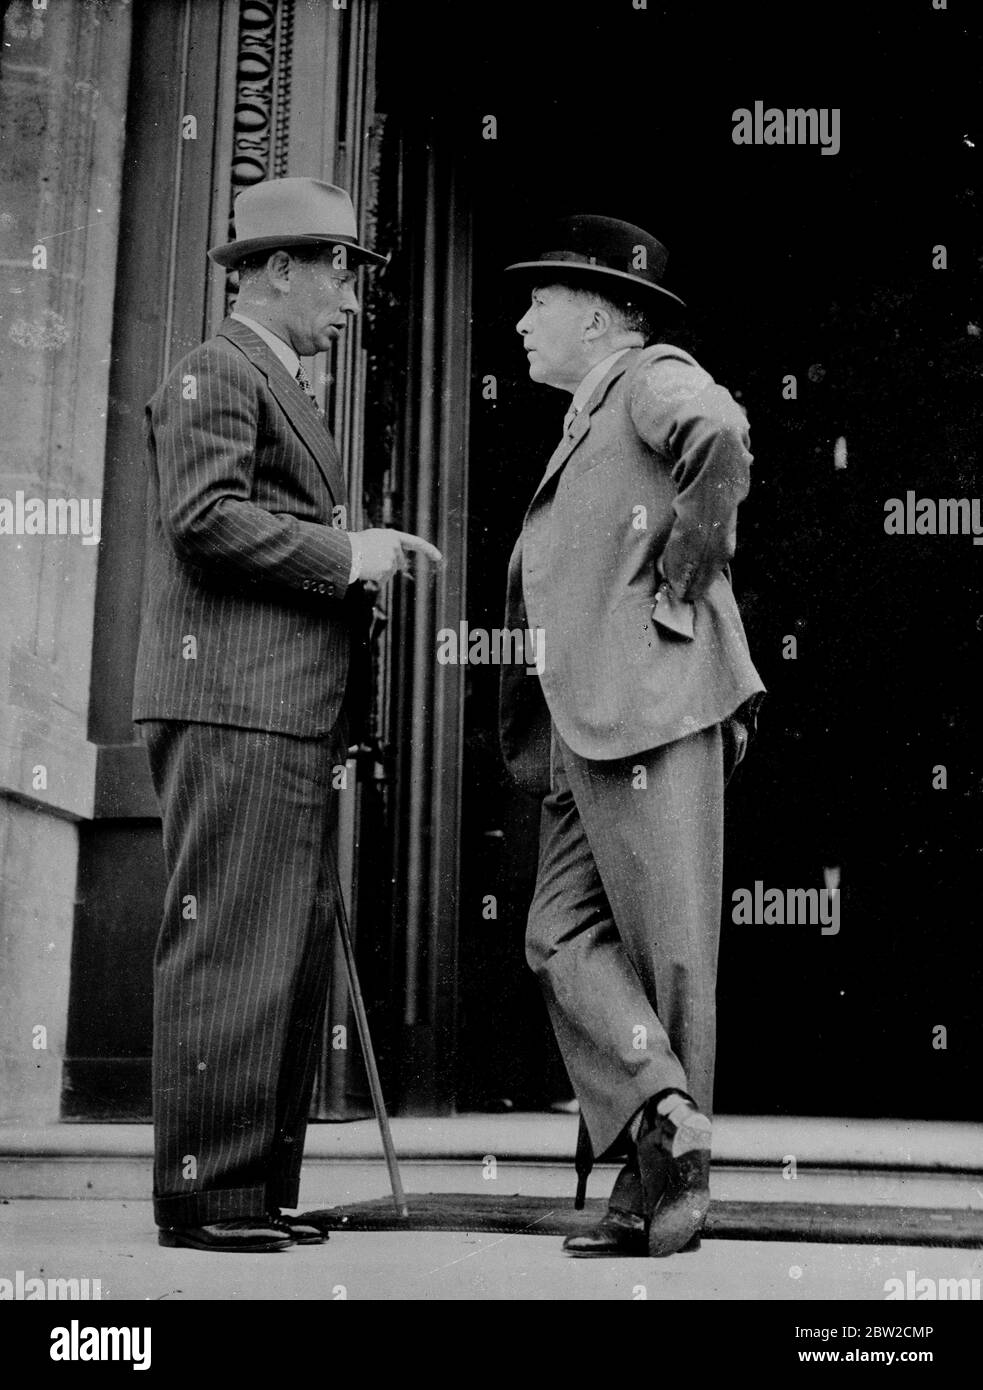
674 615
644 638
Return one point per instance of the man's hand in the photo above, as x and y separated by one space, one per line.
382 552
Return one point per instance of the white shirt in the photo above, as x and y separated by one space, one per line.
585 390
282 349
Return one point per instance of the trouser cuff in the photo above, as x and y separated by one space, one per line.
202 1208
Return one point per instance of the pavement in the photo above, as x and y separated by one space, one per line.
115 1243
75 1208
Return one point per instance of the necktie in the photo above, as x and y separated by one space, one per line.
569 418
305 386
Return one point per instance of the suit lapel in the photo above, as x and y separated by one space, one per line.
294 403
581 425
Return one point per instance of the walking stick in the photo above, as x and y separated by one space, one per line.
368 1052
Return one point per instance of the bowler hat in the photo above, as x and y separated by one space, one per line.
598 250
280 213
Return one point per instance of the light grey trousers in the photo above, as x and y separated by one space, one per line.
624 926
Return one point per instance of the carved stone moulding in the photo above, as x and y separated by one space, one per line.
261 114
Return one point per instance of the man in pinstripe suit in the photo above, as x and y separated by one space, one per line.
240 688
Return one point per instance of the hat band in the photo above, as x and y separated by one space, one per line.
288 237
569 256
577 258
331 236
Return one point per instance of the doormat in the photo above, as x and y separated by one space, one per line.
555 1216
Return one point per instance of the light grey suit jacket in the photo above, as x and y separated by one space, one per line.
622 565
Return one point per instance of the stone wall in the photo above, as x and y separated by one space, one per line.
64 68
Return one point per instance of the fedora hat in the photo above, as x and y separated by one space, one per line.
280 213
602 250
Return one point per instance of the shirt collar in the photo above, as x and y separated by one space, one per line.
276 345
593 378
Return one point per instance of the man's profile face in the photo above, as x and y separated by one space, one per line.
322 295
552 331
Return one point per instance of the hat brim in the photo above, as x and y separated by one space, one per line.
563 269
233 252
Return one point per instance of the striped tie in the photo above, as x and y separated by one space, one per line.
305 386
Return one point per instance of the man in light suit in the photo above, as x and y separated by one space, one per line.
632 727
242 675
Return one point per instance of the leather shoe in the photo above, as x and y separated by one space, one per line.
626 1194
247 1234
617 1233
300 1228
674 1163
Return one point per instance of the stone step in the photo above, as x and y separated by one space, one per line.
755 1159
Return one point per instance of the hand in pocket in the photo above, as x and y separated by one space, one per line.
735 738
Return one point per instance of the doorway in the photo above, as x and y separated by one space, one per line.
815 268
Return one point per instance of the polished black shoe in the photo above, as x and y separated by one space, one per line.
674 1163
250 1235
617 1233
301 1229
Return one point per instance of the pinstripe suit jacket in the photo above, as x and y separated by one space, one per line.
246 615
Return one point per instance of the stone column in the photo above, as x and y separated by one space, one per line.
64 68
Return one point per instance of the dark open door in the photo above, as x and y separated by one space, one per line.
792 263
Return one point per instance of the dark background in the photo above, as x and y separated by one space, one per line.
792 262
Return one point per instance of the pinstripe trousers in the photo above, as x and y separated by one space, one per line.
624 925
241 965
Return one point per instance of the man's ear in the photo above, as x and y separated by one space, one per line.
278 271
599 323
